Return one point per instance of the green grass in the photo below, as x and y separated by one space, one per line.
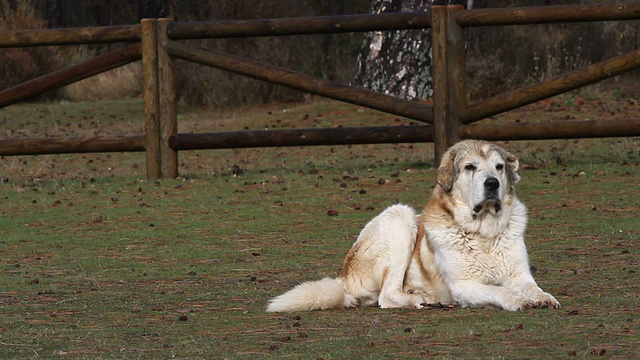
99 263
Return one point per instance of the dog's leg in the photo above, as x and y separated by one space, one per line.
474 294
397 231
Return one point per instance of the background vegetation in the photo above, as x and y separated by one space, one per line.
499 58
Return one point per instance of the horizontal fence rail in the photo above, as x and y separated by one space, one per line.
302 137
580 129
300 26
70 36
548 14
69 145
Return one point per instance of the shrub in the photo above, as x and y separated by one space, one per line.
21 64
120 83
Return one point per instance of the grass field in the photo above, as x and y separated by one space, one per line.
97 262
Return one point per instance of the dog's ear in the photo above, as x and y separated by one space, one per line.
512 168
447 171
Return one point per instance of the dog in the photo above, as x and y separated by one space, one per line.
465 249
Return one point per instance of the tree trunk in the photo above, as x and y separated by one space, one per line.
397 63
54 14
155 9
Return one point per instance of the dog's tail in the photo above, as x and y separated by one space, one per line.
313 295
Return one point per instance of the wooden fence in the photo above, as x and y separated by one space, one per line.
449 119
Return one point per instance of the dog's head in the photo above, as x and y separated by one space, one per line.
479 174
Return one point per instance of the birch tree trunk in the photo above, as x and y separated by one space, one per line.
397 63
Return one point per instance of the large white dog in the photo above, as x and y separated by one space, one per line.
466 248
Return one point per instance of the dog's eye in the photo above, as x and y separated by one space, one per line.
470 167
499 167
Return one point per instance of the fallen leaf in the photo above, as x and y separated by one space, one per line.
332 212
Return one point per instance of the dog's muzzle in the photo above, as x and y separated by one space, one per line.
491 196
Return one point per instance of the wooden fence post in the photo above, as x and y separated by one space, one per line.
449 77
167 97
149 39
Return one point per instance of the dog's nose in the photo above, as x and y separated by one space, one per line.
491 184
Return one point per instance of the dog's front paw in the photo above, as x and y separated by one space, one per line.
545 300
518 302
419 301
404 300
